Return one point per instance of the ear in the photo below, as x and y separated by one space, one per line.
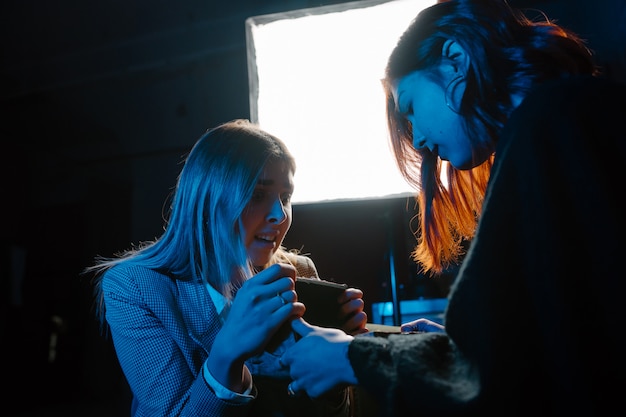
455 59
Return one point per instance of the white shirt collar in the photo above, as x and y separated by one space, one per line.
218 299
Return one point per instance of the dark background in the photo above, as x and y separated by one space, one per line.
99 101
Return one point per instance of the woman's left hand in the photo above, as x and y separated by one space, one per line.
352 304
422 325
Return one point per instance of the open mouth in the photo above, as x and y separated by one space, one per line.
266 238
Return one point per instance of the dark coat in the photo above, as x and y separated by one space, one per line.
534 322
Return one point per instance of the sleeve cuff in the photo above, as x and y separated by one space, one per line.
224 393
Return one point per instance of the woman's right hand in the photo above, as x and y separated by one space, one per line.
318 362
262 304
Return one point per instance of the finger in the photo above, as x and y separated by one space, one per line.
281 289
289 296
301 327
410 327
352 307
282 300
291 391
422 325
284 308
350 294
360 331
286 270
356 323
286 297
275 272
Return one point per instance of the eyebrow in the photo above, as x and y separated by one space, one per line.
269 182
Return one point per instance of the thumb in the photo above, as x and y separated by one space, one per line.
301 327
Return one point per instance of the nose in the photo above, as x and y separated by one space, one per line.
277 213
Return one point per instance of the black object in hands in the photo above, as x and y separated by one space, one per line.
320 298
322 308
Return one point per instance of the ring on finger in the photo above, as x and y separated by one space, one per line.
282 300
290 391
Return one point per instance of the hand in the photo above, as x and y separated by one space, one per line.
319 360
352 304
422 325
262 304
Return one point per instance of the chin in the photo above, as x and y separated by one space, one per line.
462 165
261 259
465 163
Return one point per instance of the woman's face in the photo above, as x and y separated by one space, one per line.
422 101
267 216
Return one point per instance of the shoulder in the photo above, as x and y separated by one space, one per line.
567 110
564 132
135 280
583 93
124 272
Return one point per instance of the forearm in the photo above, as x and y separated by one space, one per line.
425 369
230 374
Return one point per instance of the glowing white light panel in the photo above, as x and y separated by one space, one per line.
315 83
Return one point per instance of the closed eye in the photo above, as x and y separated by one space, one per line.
405 109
